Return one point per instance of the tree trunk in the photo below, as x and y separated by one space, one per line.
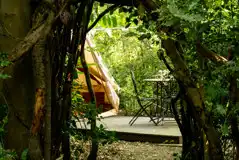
194 97
48 113
19 90
15 15
92 119
232 110
58 66
40 138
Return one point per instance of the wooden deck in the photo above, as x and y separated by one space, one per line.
141 130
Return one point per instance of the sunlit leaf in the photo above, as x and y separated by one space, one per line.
225 129
114 20
109 21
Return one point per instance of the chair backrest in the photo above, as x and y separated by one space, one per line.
135 89
134 83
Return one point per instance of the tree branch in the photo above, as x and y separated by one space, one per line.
175 111
111 8
206 53
31 39
121 2
161 56
33 36
148 4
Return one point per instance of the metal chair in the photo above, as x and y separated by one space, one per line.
140 100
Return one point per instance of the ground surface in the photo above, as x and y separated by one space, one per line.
142 126
122 150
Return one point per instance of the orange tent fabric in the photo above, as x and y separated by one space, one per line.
104 86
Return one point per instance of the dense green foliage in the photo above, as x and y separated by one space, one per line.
123 52
213 23
185 26
4 154
3 63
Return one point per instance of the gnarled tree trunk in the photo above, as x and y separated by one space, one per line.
15 17
195 98
40 137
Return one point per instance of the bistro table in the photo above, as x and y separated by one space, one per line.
161 84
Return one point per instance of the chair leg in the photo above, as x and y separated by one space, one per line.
155 118
154 112
136 115
131 122
144 109
135 118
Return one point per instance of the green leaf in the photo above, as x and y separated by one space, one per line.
204 27
173 8
225 130
4 76
225 12
221 110
170 22
24 154
75 74
131 34
104 21
193 144
101 126
141 10
109 21
127 25
114 20
193 5
145 36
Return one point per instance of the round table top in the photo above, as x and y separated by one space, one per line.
157 80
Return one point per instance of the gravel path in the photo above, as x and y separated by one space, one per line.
122 150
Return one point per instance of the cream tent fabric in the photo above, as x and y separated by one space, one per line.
101 80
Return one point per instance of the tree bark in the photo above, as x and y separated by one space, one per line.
39 68
234 128
17 22
194 97
206 53
232 110
40 138
48 113
58 71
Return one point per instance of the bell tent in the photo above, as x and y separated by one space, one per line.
104 85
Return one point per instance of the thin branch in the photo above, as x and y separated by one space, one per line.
16 113
175 111
206 53
161 56
111 8
121 2
5 31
